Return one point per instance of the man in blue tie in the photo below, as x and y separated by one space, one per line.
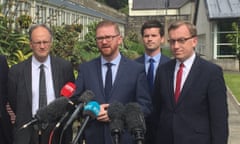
152 33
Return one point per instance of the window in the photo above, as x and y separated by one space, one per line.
224 46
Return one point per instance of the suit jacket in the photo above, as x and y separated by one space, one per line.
151 129
20 93
129 86
5 123
201 114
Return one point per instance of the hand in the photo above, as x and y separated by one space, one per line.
103 115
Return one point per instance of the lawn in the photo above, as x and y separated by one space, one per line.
232 80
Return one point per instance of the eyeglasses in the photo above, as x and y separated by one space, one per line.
180 40
107 38
38 43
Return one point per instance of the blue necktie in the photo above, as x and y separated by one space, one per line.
108 80
150 74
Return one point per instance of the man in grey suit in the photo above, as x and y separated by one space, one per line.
5 123
24 82
189 94
152 32
129 83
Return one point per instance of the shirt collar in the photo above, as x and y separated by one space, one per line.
36 63
114 61
156 57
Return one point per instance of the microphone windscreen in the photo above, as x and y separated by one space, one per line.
134 117
92 109
53 110
116 115
86 96
68 89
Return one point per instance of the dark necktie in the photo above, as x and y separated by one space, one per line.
178 82
108 80
150 74
42 88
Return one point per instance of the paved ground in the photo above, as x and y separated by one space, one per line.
234 120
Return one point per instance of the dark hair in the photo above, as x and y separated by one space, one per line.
153 24
108 23
191 27
33 27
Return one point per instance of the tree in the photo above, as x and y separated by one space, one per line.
234 38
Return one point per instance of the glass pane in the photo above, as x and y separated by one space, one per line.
225 50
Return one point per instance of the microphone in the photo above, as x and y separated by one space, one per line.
135 122
67 91
84 99
115 113
49 113
91 111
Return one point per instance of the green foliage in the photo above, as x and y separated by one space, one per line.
24 21
234 38
13 44
87 49
64 43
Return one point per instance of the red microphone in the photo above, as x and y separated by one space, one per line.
68 89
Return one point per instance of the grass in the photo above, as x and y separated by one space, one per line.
232 80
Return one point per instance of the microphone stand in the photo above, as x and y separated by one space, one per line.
81 130
116 136
139 136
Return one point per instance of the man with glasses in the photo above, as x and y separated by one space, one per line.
189 94
127 83
27 93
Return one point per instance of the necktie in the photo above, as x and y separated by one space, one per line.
150 74
42 88
178 82
108 80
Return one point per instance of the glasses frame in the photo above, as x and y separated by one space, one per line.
180 40
107 38
39 43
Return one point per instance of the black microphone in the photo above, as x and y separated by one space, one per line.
49 113
91 111
135 122
84 99
115 113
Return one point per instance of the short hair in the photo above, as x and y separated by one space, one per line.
153 24
33 27
108 23
176 24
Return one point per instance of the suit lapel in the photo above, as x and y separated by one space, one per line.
170 81
98 72
28 78
55 75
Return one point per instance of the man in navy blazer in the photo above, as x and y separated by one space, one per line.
23 87
129 83
189 94
152 32
5 123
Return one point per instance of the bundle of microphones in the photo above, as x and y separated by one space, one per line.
69 107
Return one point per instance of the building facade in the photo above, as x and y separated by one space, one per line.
63 12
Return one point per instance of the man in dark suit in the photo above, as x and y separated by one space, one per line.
5 122
152 33
189 94
24 85
129 83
